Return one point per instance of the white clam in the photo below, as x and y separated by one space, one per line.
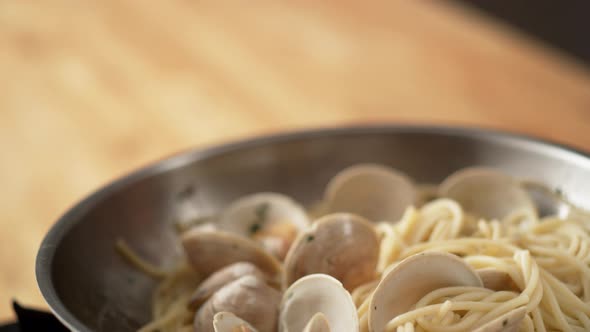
209 251
376 192
487 193
342 245
313 294
413 278
249 298
509 322
270 218
228 322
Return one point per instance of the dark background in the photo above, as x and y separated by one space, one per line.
562 24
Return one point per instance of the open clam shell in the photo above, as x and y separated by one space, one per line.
486 193
313 294
413 278
342 245
373 191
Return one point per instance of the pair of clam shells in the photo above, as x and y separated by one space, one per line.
315 303
238 298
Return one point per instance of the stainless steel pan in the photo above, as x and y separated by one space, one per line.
89 287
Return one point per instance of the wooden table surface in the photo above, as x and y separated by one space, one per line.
90 90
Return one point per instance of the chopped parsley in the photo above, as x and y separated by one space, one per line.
261 213
254 228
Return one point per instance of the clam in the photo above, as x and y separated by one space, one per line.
373 191
487 193
318 323
228 322
222 277
342 245
317 303
209 251
509 322
270 218
413 278
248 298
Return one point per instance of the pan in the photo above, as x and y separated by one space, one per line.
88 285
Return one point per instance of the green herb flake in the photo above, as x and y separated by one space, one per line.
254 228
262 211
310 238
261 214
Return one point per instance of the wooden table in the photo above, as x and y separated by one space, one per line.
93 89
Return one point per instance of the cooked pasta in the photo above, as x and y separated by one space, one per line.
549 260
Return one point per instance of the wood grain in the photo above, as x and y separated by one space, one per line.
93 89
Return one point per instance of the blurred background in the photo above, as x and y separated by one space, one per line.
90 90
